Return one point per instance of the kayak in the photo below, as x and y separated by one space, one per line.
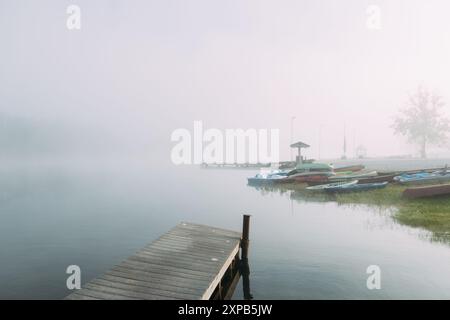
411 176
427 191
357 187
380 178
423 178
331 185
410 172
375 179
311 168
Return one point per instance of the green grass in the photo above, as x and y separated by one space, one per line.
432 214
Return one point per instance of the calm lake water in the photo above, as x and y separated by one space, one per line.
95 215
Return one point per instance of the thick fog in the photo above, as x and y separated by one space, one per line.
137 70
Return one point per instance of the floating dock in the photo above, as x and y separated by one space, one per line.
190 262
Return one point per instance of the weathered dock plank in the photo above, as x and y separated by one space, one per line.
188 262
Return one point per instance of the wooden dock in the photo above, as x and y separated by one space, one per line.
190 262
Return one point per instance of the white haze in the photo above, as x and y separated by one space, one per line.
137 70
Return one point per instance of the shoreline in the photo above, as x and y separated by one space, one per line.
430 214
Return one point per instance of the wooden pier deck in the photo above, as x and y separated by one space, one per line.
190 262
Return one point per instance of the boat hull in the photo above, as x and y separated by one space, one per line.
432 179
357 187
353 168
323 187
259 181
383 178
428 191
353 176
313 179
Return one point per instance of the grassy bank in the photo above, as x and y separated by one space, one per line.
432 214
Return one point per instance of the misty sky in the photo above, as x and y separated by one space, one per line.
137 70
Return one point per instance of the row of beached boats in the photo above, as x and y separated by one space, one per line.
324 177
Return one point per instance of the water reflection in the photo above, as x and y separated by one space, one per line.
299 194
295 192
304 246
245 272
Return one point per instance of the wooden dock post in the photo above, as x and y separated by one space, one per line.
245 236
245 267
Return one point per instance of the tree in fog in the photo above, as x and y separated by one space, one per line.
422 121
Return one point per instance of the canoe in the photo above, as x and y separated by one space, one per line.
308 168
368 177
380 178
412 172
423 178
352 168
322 187
357 187
354 176
300 175
430 170
411 176
427 191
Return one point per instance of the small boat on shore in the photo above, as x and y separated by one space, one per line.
312 179
427 191
411 176
363 177
353 176
424 178
357 187
429 170
352 168
322 187
306 169
309 172
302 173
379 178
